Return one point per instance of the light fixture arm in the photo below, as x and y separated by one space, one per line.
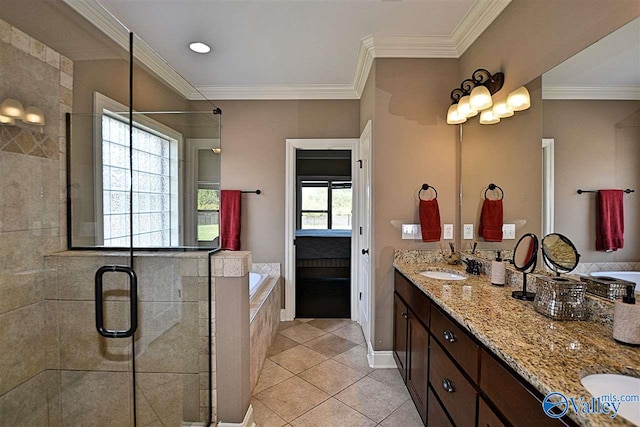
480 77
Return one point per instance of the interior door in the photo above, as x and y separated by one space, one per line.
365 250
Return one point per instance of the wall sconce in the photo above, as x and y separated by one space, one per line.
216 150
12 110
474 96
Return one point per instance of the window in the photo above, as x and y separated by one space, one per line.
155 183
325 204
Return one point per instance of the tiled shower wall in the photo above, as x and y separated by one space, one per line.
32 218
90 375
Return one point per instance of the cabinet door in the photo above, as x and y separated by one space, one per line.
417 365
400 316
486 417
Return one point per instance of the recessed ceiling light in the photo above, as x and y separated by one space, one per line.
199 47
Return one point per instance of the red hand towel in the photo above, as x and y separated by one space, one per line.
230 219
609 220
430 220
491 221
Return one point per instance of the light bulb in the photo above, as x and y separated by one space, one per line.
488 118
7 120
452 116
12 108
519 99
34 116
501 109
481 98
464 107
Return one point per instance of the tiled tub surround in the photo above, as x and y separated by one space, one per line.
265 318
550 355
88 375
32 219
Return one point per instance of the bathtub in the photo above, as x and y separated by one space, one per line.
631 276
256 280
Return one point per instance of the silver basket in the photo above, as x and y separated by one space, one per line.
606 287
560 298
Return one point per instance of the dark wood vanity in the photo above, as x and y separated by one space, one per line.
451 377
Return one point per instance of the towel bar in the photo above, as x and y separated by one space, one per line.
580 191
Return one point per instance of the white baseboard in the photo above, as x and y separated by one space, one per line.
380 359
283 315
246 422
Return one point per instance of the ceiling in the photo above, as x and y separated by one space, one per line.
608 69
287 49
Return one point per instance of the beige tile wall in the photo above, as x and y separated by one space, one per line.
32 221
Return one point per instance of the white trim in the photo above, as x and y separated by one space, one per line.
380 359
472 25
100 17
620 93
290 215
283 315
548 197
478 18
246 422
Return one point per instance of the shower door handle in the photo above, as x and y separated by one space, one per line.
133 300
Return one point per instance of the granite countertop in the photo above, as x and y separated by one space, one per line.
551 355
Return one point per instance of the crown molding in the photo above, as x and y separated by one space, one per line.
478 18
280 92
620 93
94 12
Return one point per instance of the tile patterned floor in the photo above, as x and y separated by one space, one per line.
316 374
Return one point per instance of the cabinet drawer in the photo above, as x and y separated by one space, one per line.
414 297
517 404
486 416
436 416
456 341
456 393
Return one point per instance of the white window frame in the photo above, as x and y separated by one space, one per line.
102 104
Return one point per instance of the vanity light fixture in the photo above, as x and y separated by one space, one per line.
12 110
200 47
471 101
216 150
474 95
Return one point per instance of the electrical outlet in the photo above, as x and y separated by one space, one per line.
468 232
508 231
411 231
448 232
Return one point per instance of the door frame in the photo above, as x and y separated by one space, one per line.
548 223
289 311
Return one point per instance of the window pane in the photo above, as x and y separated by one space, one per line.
208 200
314 220
341 208
315 198
208 226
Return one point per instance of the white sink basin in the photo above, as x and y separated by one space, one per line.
616 385
443 275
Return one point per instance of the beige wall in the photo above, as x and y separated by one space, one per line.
533 36
597 145
412 144
253 147
509 155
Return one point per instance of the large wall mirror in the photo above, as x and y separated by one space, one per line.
582 132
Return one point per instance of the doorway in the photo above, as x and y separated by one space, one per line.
319 246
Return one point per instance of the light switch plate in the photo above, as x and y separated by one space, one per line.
508 231
411 231
448 232
468 232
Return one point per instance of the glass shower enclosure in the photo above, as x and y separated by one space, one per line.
121 334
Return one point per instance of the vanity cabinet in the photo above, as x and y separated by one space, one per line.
451 377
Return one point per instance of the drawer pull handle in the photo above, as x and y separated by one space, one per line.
447 386
449 336
405 315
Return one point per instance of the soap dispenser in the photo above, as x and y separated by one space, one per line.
497 271
626 319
